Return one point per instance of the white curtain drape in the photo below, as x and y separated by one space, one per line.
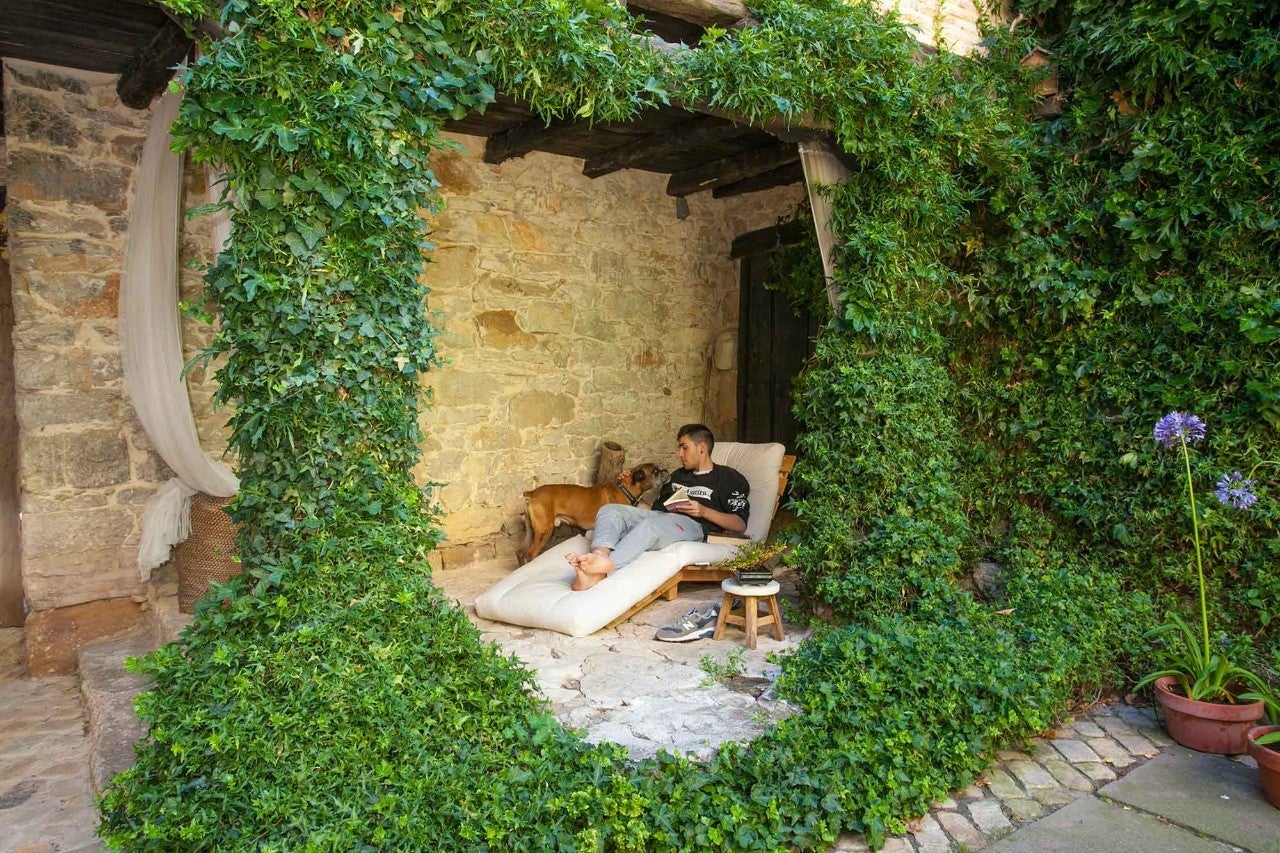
823 167
151 343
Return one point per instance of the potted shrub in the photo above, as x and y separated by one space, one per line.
1202 692
1264 746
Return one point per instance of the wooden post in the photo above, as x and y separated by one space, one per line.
610 462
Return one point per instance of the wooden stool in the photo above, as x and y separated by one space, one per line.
750 620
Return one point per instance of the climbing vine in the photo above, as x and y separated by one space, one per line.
331 698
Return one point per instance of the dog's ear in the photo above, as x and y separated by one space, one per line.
638 475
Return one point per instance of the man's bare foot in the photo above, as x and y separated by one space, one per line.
573 559
591 568
584 580
596 563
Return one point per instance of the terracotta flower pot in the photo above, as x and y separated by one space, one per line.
1206 726
1268 763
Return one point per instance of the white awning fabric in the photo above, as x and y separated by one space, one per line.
151 343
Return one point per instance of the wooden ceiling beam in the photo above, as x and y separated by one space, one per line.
792 173
668 28
149 71
730 170
524 137
699 130
705 13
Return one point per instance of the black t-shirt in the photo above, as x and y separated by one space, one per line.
722 489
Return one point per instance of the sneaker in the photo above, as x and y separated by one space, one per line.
697 624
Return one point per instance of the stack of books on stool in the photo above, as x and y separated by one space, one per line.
754 576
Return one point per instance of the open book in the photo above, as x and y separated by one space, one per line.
679 497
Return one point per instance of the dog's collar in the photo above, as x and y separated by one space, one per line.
634 499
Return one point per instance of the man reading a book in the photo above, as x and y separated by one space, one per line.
699 499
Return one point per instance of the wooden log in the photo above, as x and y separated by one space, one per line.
792 173
667 27
730 170
148 73
704 13
697 131
610 462
523 138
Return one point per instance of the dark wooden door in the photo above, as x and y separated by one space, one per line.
774 342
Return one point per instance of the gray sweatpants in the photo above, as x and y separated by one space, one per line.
630 531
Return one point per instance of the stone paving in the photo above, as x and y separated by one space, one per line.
621 685
1022 787
46 798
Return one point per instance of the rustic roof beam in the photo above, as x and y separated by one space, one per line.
706 13
730 170
699 130
151 67
792 173
667 27
523 138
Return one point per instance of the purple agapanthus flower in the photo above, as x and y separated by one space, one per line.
1176 427
1235 490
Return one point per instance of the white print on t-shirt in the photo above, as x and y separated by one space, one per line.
736 501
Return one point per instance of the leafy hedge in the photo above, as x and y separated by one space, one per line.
332 699
1125 269
880 515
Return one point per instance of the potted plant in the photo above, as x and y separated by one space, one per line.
1264 744
1200 689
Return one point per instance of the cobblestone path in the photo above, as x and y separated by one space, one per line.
46 799
1024 786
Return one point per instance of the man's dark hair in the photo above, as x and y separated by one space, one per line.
698 433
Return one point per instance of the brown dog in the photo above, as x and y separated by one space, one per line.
550 505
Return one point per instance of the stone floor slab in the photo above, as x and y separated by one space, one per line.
1093 826
988 815
1209 793
45 794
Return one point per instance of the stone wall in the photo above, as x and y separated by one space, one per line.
86 466
955 21
574 311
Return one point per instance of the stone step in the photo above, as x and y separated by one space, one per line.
13 662
163 619
108 690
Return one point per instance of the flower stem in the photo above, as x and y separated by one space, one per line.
1255 468
1195 529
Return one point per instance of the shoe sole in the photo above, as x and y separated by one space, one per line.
696 635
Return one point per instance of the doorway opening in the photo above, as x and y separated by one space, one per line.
10 530
775 340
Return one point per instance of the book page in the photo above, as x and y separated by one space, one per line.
679 496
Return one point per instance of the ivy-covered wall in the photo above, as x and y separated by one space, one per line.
576 310
573 311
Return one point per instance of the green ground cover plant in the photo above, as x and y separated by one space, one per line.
1019 297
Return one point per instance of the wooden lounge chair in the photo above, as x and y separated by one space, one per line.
697 573
539 594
